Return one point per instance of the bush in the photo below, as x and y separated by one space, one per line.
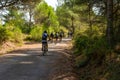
94 48
81 60
17 35
8 34
81 42
51 29
4 34
36 33
88 45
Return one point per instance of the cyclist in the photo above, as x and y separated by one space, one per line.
56 36
44 40
61 35
51 36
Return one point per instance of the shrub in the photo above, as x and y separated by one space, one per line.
17 35
80 43
81 60
51 29
94 48
4 34
36 33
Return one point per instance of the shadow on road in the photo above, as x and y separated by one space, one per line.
27 63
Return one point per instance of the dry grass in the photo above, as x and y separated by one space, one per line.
7 46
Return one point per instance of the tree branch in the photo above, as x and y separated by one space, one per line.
7 3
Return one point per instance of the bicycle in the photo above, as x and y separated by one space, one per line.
44 49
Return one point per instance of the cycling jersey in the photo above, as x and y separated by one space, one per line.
44 37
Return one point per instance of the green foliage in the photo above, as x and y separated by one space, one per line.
64 16
8 34
15 18
36 33
45 15
92 46
80 43
51 29
17 35
81 60
4 34
89 45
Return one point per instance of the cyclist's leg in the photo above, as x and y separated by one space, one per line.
46 46
61 38
52 39
55 40
42 46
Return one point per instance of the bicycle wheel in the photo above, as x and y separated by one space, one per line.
44 49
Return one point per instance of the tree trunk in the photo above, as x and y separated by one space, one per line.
90 23
30 16
73 28
109 31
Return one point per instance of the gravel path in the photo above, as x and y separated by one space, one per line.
27 62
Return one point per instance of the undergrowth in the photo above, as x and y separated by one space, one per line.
94 60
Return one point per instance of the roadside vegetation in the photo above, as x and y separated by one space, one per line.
96 41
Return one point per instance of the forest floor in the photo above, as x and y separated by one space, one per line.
27 63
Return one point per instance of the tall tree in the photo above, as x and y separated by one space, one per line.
109 31
14 18
45 15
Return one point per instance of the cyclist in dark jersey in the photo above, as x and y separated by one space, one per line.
44 39
51 37
56 36
60 35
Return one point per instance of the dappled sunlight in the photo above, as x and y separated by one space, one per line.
61 44
26 62
29 46
66 76
55 49
17 54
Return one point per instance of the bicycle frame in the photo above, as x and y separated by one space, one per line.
44 48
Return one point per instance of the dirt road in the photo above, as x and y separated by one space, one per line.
27 63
